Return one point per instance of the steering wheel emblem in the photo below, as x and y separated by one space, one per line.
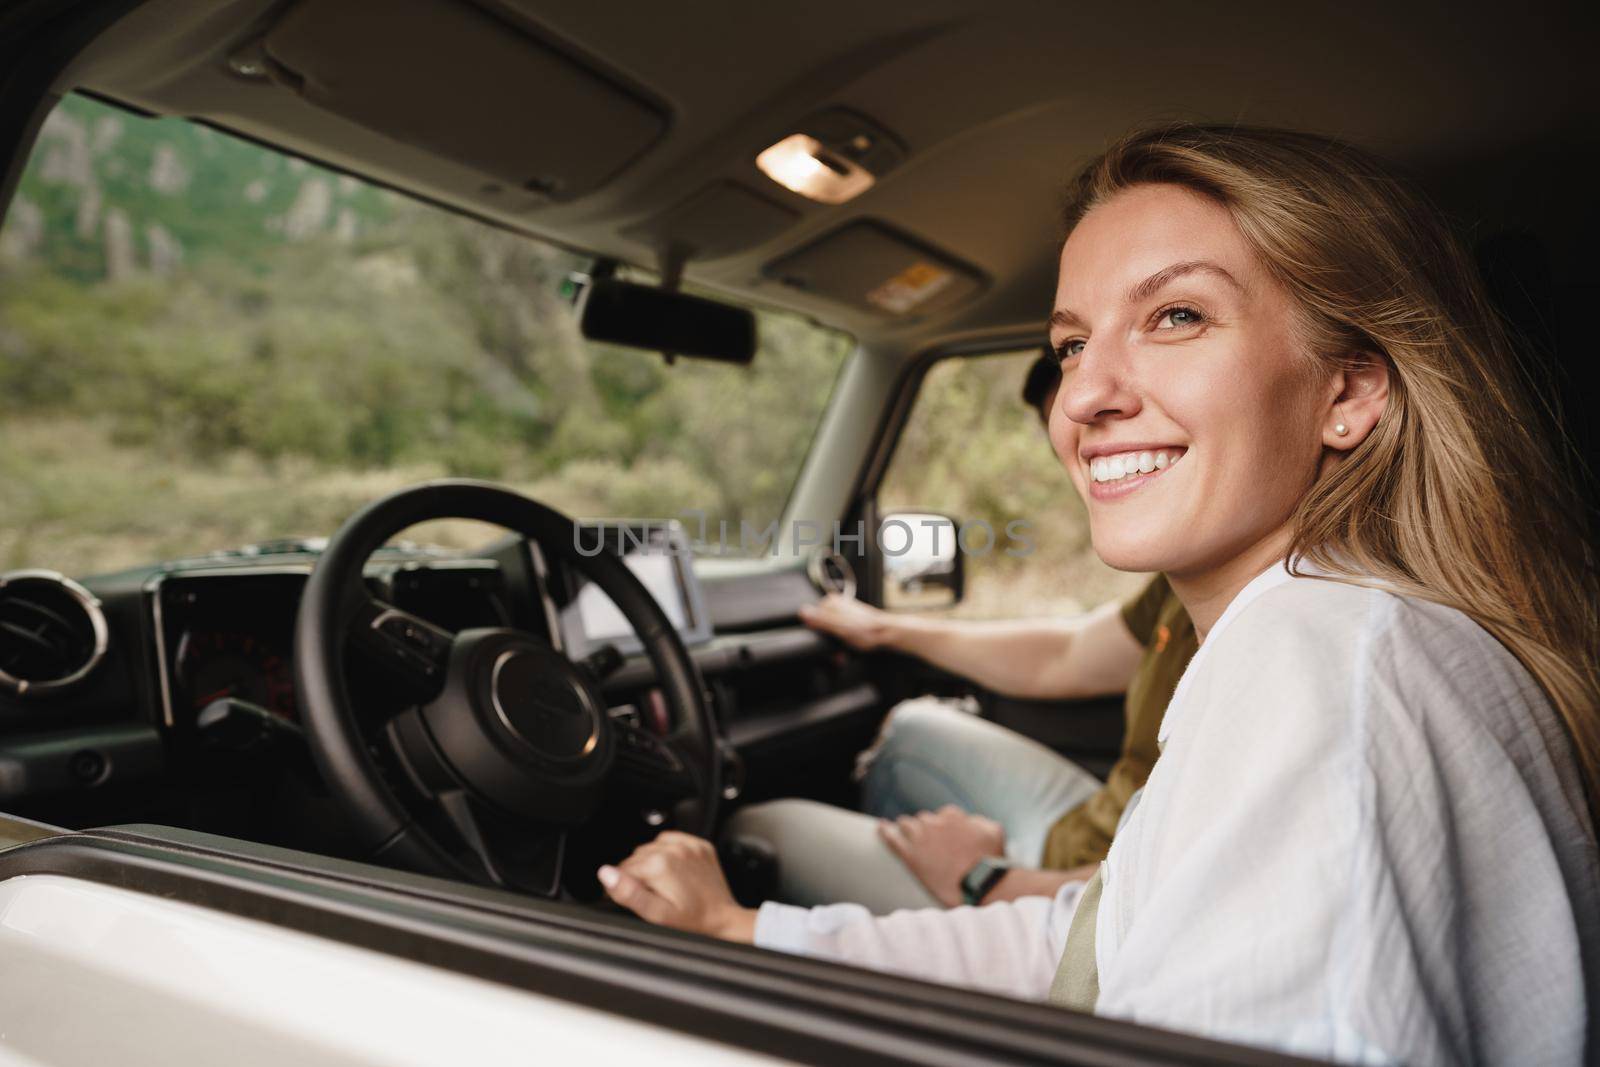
553 720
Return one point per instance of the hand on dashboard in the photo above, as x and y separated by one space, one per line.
676 881
861 626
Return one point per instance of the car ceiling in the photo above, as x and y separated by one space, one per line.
993 101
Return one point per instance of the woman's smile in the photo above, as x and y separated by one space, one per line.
1115 471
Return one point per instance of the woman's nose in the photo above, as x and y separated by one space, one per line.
1098 385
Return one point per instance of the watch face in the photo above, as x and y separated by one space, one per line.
982 878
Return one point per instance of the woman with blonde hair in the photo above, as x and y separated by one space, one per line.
1370 834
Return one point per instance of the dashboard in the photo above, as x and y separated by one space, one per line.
159 645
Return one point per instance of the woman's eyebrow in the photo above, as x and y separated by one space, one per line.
1153 284
1066 318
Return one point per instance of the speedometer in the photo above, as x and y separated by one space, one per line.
213 664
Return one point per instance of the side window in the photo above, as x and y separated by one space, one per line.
975 451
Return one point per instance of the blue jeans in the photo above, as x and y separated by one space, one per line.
931 753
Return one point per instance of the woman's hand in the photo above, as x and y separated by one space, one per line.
676 881
940 847
861 626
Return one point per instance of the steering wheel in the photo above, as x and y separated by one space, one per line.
507 738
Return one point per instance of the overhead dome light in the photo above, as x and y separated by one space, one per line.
801 164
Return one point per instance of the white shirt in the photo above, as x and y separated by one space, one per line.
1365 840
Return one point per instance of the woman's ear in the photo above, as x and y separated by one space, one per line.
1360 393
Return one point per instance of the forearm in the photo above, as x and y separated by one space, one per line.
1009 948
1020 882
1007 657
1032 659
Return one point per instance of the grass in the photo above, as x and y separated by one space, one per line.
77 500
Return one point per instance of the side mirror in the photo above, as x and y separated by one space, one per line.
922 566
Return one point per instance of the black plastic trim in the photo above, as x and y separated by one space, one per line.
799 1009
78 759
730 652
766 729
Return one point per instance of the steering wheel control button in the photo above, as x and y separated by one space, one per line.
652 765
603 662
648 749
553 719
421 647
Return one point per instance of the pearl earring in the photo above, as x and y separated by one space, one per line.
1341 429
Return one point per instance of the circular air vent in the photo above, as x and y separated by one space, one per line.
831 573
52 632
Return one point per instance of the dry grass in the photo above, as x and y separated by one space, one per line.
76 500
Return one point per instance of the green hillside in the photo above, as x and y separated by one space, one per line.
212 196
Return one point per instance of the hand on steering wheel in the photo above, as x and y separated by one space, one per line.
505 729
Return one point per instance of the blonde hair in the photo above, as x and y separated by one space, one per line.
1457 495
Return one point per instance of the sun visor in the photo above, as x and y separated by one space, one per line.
873 268
448 78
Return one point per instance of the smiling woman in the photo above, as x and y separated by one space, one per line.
1369 836
1374 396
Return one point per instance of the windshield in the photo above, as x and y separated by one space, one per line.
205 343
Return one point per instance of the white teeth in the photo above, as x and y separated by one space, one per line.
1130 464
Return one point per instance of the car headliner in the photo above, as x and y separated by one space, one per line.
995 101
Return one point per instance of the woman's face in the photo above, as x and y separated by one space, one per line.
1189 415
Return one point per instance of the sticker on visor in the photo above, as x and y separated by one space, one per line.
911 288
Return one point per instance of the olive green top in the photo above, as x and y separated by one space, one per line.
1077 981
1157 621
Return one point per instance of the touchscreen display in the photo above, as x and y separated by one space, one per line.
659 556
603 621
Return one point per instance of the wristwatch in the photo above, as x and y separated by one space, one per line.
983 877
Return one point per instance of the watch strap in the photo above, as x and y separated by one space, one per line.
982 878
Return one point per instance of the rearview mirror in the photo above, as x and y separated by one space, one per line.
661 320
922 567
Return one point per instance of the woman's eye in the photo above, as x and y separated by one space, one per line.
1178 317
1067 349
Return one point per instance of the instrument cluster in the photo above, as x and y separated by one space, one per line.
227 636
230 634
